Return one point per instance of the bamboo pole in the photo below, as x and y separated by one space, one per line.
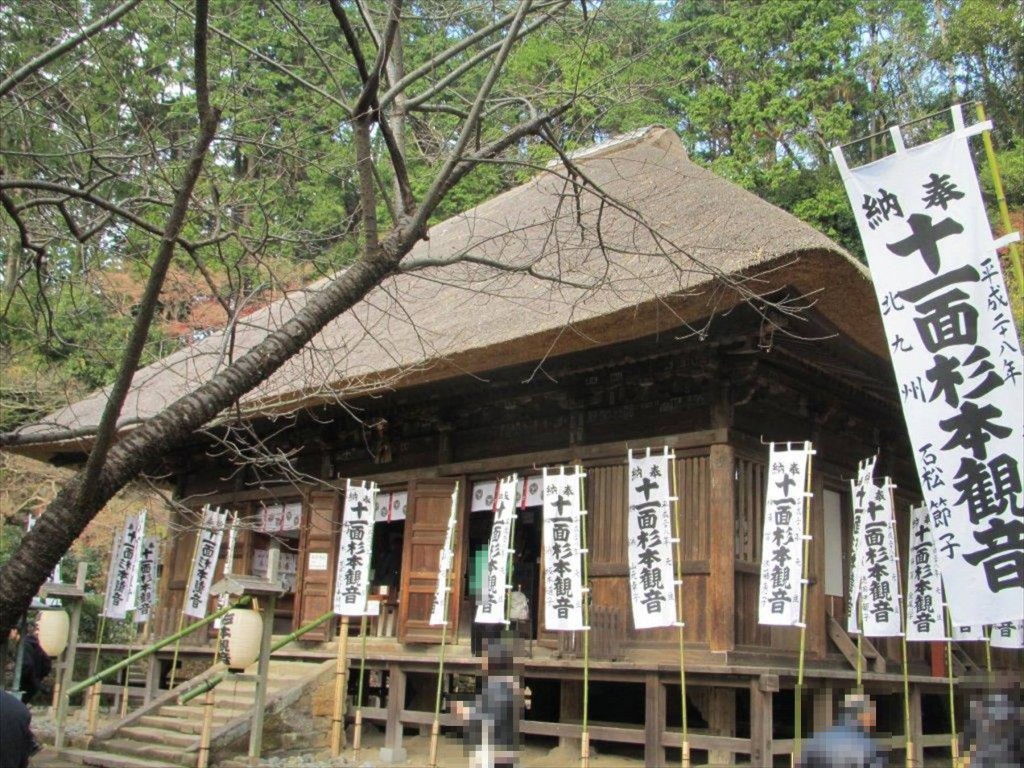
357 739
903 630
204 738
1004 212
585 596
799 693
954 741
340 687
181 618
435 729
673 491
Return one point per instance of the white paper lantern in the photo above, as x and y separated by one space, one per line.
52 630
240 634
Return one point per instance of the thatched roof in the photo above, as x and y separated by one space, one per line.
663 248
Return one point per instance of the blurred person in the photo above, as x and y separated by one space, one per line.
35 664
995 731
848 743
17 743
492 720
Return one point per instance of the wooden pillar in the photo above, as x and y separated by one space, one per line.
654 721
570 710
393 751
916 728
761 723
721 616
824 706
67 677
817 629
722 722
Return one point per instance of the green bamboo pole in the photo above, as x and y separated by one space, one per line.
859 608
1004 211
678 571
435 729
903 631
954 743
799 693
358 736
181 618
585 597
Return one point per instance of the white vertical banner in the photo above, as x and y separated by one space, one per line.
880 585
957 360
438 612
124 568
30 523
355 549
229 561
563 549
1008 635
965 633
925 617
493 606
204 566
149 564
652 577
782 542
860 489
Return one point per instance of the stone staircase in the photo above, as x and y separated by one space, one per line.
166 734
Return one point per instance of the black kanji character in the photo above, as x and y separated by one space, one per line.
939 191
973 427
1002 555
925 238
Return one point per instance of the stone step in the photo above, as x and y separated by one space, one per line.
192 725
111 760
173 755
165 736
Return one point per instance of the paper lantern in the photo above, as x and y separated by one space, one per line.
52 630
240 633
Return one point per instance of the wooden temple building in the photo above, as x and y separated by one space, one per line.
679 311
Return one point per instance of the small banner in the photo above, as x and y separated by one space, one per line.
30 523
122 576
563 550
859 492
438 612
782 550
204 567
652 578
957 360
229 561
391 507
880 585
355 548
492 607
925 618
149 564
1008 635
966 633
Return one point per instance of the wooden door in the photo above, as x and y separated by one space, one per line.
318 543
425 525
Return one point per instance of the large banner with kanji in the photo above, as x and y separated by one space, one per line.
782 541
355 548
957 360
652 576
563 550
492 608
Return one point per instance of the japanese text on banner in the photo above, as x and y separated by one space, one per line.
925 617
149 564
204 566
652 579
355 548
563 573
492 607
124 568
957 361
438 610
782 551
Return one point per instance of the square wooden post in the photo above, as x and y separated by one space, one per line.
570 710
916 726
392 751
722 722
654 721
721 610
761 722
824 706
